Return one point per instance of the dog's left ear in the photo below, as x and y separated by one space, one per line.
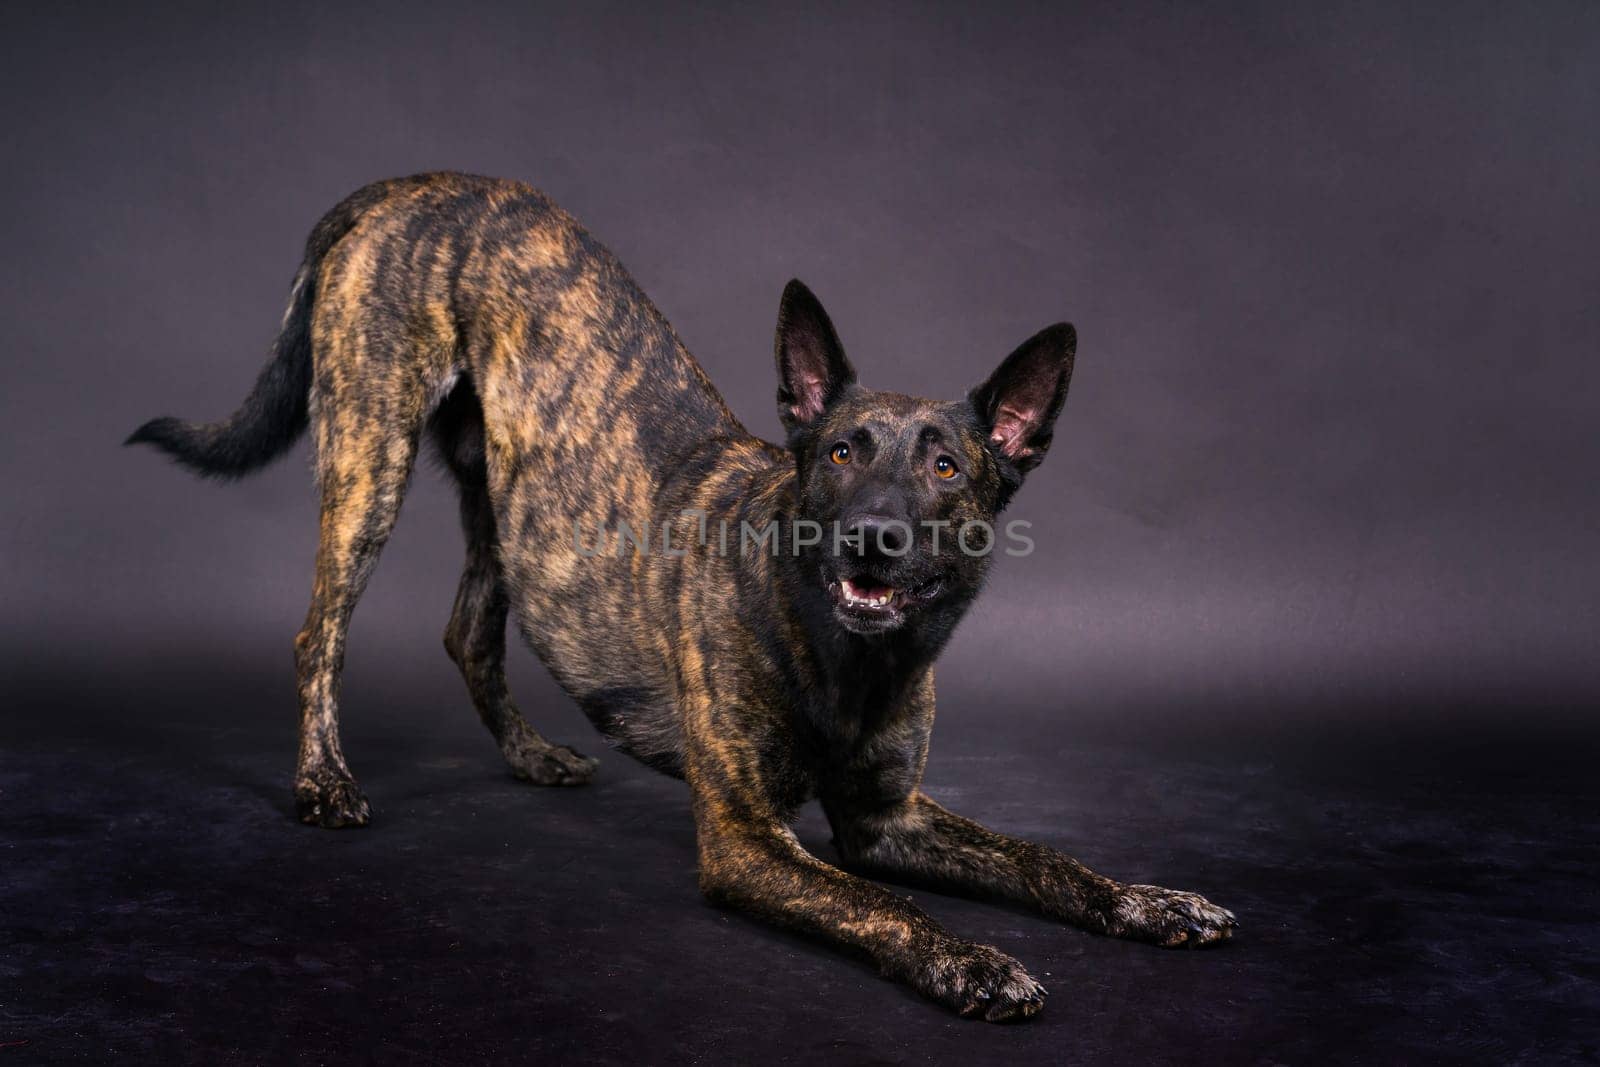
1019 403
812 369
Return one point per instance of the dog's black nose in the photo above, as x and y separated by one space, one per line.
880 535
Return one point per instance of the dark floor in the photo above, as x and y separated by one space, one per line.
1404 897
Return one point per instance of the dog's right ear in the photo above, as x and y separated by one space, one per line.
812 368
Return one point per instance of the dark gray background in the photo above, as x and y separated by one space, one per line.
1332 439
1327 470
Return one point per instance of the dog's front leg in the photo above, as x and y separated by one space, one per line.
754 863
921 841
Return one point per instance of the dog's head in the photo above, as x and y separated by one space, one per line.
901 494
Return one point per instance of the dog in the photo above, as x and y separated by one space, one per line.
787 660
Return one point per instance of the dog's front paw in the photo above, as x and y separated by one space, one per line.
1169 917
979 982
331 802
545 764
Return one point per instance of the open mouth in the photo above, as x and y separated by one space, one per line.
867 604
865 595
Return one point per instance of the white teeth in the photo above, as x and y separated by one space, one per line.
855 598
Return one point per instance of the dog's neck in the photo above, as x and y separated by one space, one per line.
853 683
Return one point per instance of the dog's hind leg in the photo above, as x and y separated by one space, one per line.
476 635
366 444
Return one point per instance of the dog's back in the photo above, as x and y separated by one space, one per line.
477 313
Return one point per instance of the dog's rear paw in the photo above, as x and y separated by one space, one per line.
1170 918
980 982
331 803
547 764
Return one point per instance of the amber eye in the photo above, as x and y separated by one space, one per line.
945 467
840 453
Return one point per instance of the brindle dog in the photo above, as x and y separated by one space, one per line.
765 672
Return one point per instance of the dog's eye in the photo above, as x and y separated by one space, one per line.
945 467
840 453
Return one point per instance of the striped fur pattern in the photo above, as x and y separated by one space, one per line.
473 316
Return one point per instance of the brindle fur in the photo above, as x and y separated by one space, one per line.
477 312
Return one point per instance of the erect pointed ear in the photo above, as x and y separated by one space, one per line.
1019 403
812 370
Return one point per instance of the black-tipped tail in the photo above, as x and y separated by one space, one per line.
269 421
274 415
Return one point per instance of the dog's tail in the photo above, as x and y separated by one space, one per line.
274 415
